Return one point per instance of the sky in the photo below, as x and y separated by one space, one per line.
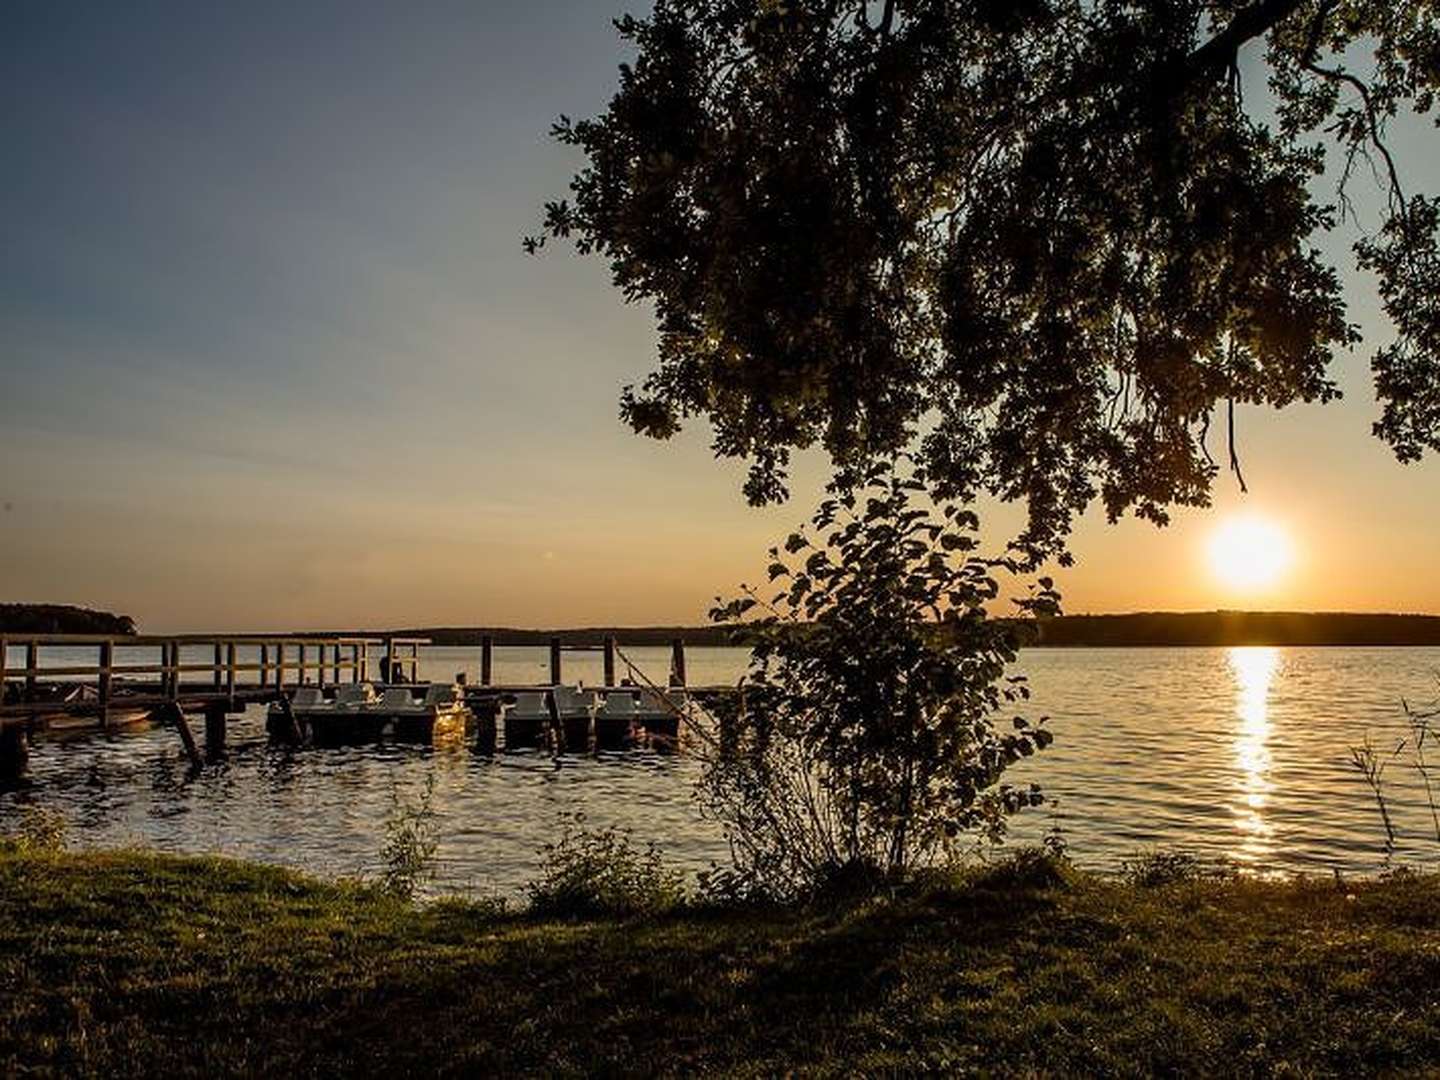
271 356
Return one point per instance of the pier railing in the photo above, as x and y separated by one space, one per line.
230 668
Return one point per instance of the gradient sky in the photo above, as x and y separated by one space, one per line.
271 356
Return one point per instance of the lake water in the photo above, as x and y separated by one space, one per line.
1240 754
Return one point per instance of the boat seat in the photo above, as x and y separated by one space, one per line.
440 694
621 706
307 697
529 706
652 701
355 694
571 699
397 697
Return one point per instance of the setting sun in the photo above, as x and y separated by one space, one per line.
1249 553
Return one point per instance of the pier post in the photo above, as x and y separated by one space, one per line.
230 671
215 731
217 674
355 663
4 645
262 677
280 666
487 648
677 663
554 661
187 737
609 661
174 672
387 666
300 679
106 676
14 751
32 664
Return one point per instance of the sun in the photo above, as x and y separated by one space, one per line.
1249 553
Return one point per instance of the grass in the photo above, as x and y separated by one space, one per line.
136 963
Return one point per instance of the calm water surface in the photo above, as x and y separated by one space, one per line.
1240 754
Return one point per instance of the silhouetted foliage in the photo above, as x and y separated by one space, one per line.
62 619
1047 239
865 740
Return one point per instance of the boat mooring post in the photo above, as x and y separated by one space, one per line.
215 730
177 717
14 751
677 663
105 679
32 665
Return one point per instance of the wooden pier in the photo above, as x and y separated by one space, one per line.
218 676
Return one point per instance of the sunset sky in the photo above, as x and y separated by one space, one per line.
273 358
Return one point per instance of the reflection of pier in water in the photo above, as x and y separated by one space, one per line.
1254 669
162 680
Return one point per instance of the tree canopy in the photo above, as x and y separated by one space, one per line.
1048 242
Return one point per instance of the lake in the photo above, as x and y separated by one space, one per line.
1240 754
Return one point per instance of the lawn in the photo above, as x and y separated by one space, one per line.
132 962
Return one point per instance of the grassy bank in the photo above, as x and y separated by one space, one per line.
132 962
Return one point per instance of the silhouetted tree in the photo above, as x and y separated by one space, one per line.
1048 239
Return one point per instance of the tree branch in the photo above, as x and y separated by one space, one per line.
1219 53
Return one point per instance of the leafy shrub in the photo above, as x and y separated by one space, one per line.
1151 869
411 841
589 872
39 832
865 741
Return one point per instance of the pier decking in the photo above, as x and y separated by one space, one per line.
221 675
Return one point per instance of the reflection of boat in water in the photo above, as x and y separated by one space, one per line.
358 714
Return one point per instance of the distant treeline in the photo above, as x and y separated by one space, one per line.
1141 628
1240 628
62 619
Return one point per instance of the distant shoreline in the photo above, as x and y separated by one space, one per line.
1158 629
1138 629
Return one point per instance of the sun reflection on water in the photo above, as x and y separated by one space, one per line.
1254 669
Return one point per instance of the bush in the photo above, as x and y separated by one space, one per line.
40 832
1151 869
592 872
864 741
411 841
